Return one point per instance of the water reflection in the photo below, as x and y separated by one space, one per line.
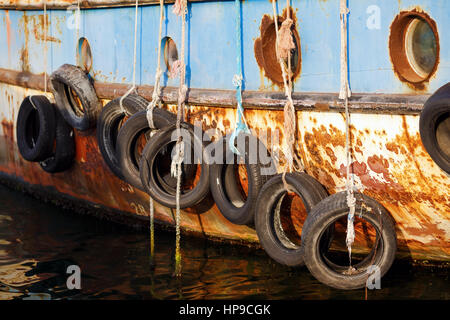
38 242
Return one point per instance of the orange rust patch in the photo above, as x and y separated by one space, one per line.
393 147
265 49
8 130
39 30
322 106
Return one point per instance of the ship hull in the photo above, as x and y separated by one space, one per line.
390 162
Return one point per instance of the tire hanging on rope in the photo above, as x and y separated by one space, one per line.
344 94
276 226
324 266
226 186
35 129
108 125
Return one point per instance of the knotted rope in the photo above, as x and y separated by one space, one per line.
241 123
180 9
344 94
284 45
133 87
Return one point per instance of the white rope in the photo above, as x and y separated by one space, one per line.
156 96
345 93
289 110
345 88
134 60
179 8
32 103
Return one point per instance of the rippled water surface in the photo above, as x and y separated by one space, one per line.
38 242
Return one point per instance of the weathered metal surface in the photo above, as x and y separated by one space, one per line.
212 66
85 4
366 103
391 164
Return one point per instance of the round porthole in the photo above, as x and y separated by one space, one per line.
414 46
170 52
84 56
265 51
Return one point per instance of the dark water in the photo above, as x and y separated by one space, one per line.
38 242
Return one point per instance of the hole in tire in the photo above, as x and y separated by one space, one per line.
290 214
74 101
32 128
367 243
443 135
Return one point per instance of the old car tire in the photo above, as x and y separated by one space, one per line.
226 190
149 165
35 128
434 127
127 139
108 127
325 214
69 84
267 218
64 154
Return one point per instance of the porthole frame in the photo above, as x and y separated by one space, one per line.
84 55
400 53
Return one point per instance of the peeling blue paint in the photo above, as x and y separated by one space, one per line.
210 46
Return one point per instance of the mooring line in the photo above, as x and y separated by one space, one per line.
344 94
180 9
283 47
238 78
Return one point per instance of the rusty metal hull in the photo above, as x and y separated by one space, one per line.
391 165
390 162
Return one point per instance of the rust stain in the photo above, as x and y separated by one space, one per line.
39 30
265 51
24 59
8 33
421 213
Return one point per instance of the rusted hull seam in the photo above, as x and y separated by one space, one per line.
362 103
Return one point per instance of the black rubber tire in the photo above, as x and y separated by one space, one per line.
35 129
126 142
326 213
434 126
70 78
64 154
149 164
108 127
225 188
274 243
